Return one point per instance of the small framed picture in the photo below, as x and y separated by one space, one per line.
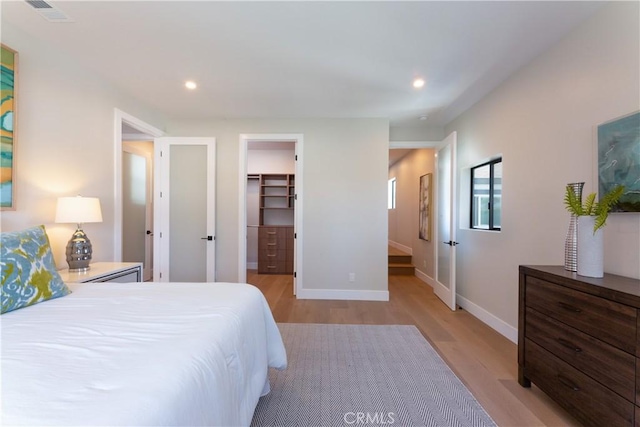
425 207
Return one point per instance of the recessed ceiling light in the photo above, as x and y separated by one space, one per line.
418 83
423 117
190 85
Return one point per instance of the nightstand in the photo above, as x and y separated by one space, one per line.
120 272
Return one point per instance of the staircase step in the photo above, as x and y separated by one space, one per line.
399 263
401 269
399 259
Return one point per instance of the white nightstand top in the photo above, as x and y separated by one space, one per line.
98 270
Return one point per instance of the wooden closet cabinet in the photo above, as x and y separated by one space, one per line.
579 341
275 231
275 249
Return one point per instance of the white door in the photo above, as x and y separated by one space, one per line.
446 206
185 210
137 207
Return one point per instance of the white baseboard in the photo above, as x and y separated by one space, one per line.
425 278
252 265
483 315
401 247
499 325
343 294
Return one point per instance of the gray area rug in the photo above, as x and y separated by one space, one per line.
342 375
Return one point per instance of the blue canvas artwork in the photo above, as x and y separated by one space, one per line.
619 160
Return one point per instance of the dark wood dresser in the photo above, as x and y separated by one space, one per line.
275 249
578 341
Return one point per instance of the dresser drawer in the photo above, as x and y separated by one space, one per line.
585 353
272 243
270 254
606 320
589 401
277 267
265 244
122 277
269 267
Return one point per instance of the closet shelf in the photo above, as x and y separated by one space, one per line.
277 193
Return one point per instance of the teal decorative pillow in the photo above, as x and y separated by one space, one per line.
29 273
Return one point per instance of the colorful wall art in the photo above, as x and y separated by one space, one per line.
8 62
619 160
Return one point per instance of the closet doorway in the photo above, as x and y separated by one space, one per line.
270 206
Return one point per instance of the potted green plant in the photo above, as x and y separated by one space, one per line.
590 207
592 216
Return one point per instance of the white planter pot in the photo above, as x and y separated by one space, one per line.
590 248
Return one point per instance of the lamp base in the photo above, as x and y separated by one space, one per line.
79 252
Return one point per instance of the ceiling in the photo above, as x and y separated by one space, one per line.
305 59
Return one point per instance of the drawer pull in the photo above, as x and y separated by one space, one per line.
271 232
271 244
569 307
271 255
271 266
568 383
569 345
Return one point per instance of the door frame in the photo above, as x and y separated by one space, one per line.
298 139
161 184
120 118
414 145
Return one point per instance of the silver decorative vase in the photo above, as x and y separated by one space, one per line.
571 242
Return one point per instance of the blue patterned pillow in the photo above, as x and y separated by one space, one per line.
29 273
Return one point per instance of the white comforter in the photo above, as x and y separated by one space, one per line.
139 354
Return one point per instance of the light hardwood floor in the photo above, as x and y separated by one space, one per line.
483 359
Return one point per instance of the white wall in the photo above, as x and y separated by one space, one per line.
403 221
344 197
416 133
271 161
542 121
65 147
65 141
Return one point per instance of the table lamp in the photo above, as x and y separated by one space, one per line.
78 210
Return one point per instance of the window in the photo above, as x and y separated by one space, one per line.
391 202
486 195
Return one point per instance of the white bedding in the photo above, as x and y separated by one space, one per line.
139 354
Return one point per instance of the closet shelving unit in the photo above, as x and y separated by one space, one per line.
277 192
275 229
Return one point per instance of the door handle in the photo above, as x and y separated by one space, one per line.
149 232
451 243
207 238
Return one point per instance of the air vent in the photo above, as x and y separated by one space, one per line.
39 4
48 12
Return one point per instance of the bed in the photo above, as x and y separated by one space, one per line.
139 354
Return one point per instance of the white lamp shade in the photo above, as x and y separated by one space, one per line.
78 210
